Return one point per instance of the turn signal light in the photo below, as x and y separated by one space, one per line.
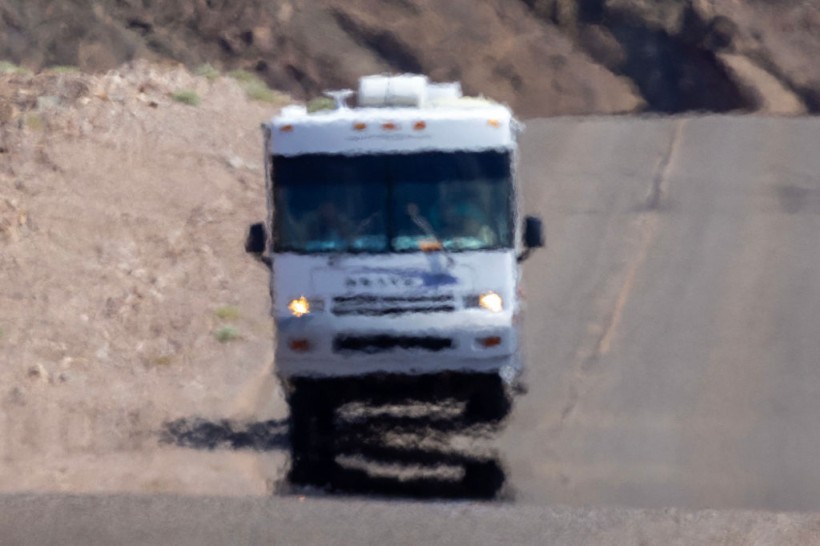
491 341
299 345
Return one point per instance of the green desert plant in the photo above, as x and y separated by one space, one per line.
259 91
224 334
321 103
63 69
7 67
187 96
208 71
34 121
162 361
243 76
255 88
227 312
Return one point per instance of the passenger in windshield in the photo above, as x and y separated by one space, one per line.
461 221
465 220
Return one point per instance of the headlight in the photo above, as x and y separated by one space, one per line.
299 306
491 302
488 300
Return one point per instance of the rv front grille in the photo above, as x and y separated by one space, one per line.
392 305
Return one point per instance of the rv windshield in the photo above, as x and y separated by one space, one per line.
338 203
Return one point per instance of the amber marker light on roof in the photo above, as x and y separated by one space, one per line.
493 123
359 126
286 128
390 126
419 126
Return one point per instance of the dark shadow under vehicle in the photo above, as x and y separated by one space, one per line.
403 439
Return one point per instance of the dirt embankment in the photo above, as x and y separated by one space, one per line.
126 298
544 57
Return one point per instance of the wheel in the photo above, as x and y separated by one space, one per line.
312 414
483 479
487 401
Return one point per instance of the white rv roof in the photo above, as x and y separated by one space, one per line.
439 120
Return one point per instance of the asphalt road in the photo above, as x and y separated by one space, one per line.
674 361
672 329
179 521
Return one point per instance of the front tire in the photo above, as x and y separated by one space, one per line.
488 400
312 423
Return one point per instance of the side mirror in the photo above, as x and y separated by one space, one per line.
533 236
256 239
256 242
533 232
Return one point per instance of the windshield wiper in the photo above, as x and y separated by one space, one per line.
424 225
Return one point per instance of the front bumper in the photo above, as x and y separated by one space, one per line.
471 341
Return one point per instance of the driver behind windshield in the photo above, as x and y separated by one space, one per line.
327 223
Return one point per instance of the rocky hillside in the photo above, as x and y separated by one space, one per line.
544 57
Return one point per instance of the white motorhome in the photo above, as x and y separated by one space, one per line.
394 245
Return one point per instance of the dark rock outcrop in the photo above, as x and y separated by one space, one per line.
544 57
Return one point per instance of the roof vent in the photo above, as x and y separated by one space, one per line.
406 90
442 92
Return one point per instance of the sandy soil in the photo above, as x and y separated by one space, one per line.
122 221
